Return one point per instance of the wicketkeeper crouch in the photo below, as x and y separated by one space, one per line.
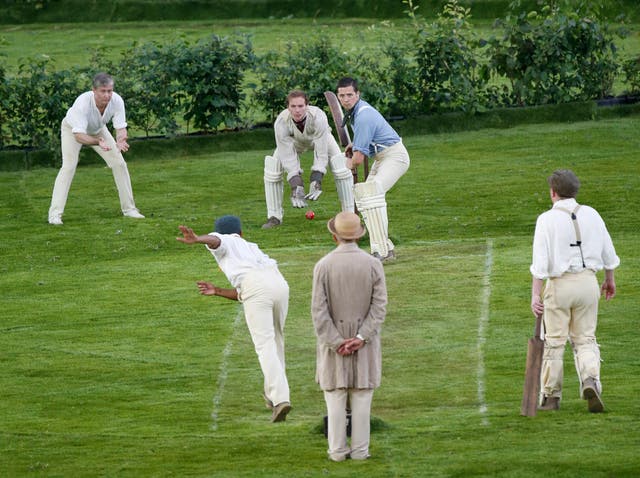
299 128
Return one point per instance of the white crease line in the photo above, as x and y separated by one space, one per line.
482 326
222 374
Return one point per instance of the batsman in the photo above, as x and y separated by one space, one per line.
303 127
570 245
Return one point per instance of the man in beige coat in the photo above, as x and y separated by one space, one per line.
348 307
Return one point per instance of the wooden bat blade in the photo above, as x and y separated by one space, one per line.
531 389
336 113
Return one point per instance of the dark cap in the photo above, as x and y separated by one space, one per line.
228 225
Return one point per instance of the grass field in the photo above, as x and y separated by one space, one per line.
21 42
111 364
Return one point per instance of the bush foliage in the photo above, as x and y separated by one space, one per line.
563 53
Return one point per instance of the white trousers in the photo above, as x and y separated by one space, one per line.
390 165
336 401
570 313
265 299
71 154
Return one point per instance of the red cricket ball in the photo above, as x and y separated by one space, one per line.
310 215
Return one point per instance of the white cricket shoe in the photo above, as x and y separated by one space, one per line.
133 213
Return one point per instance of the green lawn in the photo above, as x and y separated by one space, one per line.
20 42
111 364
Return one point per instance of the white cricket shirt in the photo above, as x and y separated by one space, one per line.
553 254
84 116
236 257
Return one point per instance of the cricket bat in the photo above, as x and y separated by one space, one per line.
531 390
343 132
338 117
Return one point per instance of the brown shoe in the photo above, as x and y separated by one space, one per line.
280 412
271 222
391 256
591 395
267 403
550 403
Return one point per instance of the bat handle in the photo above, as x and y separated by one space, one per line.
538 328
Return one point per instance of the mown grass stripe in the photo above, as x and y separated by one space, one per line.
483 323
223 371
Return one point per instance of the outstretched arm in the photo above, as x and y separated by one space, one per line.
207 288
190 237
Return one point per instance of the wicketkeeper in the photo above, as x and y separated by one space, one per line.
299 128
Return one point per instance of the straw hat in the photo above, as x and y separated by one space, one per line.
346 225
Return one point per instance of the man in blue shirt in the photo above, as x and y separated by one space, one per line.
373 138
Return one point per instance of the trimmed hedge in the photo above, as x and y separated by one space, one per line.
262 138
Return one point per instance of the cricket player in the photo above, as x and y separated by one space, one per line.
86 124
571 243
264 294
374 138
299 128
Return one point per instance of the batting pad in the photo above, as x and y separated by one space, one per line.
273 187
344 181
373 207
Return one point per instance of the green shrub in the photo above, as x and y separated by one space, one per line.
4 106
36 102
315 66
211 74
147 77
447 53
631 69
555 55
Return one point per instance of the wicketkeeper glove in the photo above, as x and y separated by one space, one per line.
297 192
315 188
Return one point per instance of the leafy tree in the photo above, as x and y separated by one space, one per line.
557 55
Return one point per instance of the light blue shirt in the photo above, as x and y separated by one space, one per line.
371 132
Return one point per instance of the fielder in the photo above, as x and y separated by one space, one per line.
299 128
374 138
86 124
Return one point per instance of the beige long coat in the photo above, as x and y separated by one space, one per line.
349 297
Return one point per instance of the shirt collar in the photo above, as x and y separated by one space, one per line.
569 203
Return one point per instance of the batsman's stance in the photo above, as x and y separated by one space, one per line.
374 138
299 128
